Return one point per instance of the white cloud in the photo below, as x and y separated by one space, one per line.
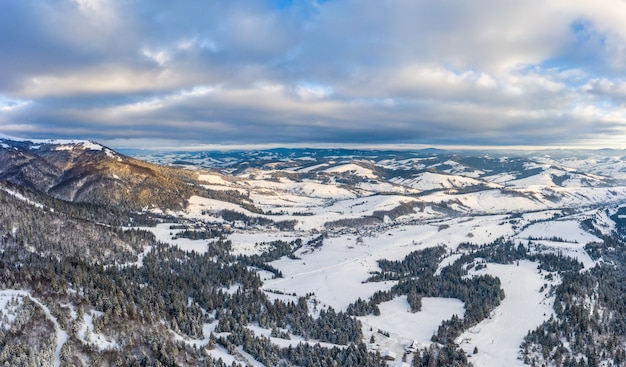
392 70
160 57
195 42
100 79
10 104
310 92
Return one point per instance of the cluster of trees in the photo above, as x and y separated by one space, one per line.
108 214
377 217
590 324
415 264
30 339
50 231
440 356
203 234
276 250
234 216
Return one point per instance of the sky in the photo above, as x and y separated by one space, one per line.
157 73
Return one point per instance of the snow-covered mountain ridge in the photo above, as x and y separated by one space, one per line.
472 183
85 171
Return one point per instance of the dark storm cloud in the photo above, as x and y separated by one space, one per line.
343 71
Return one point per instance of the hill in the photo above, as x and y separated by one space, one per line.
83 171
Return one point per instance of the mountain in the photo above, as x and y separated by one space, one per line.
472 182
84 171
310 257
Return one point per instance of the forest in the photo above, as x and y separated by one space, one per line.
87 276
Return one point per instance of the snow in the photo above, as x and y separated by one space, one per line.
249 358
542 179
13 138
213 179
497 201
568 230
108 152
350 208
437 181
73 144
9 308
334 274
305 188
450 233
312 168
460 169
323 211
447 262
404 326
87 334
500 178
603 222
164 234
197 204
64 144
571 239
140 257
273 296
207 329
90 145
352 168
524 308
386 187
255 242
21 197
293 341
546 178
220 352
491 201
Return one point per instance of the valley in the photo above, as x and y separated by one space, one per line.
311 257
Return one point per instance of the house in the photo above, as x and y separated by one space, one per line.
389 356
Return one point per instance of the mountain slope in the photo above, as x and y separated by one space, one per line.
82 171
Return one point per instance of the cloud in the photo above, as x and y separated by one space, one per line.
265 72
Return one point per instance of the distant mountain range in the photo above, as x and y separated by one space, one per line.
465 182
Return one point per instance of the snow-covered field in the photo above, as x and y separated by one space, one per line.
165 234
334 273
524 307
406 328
